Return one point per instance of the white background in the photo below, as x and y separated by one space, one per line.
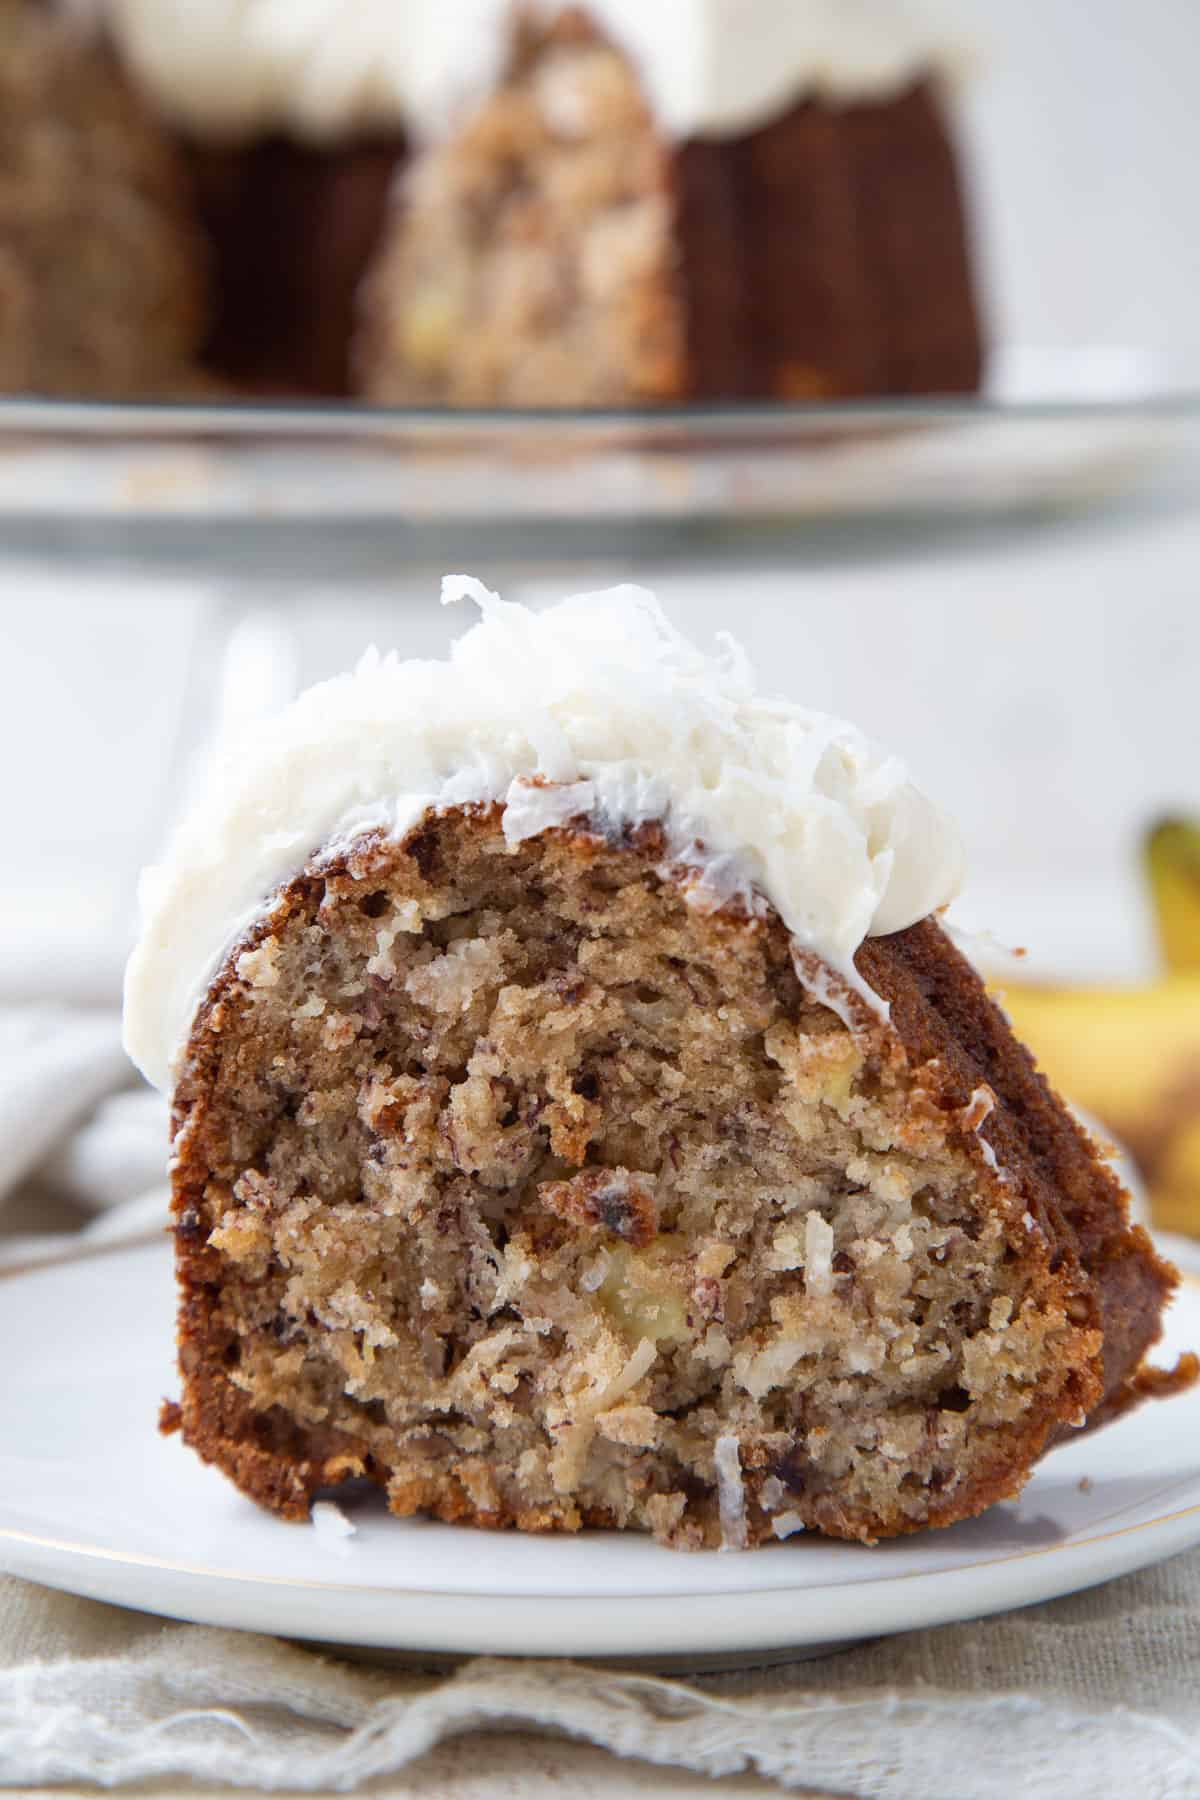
1087 136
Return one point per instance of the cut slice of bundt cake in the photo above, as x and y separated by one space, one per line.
582 1118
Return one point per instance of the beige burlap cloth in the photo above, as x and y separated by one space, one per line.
1097 1695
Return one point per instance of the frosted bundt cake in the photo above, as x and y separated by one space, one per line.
619 202
101 266
582 1118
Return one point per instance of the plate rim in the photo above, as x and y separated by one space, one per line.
566 1625
206 1572
789 1613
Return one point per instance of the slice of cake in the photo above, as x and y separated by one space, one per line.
580 1116
102 271
695 202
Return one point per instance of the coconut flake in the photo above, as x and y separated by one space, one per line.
979 1107
974 1117
639 1364
731 1494
332 1527
818 1255
991 1159
762 1370
592 1277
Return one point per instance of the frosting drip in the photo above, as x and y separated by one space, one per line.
597 706
334 69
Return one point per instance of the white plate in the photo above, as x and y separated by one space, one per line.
93 1501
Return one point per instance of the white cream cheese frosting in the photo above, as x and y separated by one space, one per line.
333 69
596 706
323 70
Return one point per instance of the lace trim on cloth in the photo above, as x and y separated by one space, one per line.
223 1707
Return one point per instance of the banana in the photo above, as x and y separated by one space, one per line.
1132 1057
1175 1196
1172 862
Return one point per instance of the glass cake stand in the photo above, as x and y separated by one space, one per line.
1051 431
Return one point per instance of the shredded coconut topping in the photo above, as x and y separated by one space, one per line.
596 708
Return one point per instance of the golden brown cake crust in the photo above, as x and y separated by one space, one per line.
1060 1208
944 1016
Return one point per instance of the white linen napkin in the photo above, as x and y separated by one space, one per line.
75 1117
55 1065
